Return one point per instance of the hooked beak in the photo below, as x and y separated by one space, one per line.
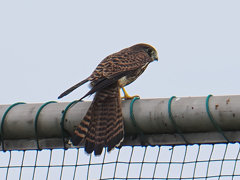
155 57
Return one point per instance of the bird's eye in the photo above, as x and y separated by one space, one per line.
150 51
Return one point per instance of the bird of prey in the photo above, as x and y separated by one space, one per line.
103 123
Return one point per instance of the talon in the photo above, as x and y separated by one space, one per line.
126 96
129 97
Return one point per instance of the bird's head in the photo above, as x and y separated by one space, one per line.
150 50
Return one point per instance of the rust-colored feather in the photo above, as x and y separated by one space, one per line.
103 123
82 129
106 122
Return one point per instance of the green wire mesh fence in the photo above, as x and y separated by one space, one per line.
219 161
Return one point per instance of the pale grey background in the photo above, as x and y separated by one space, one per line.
48 46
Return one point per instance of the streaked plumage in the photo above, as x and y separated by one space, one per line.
103 122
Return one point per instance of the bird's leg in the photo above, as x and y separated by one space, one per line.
126 96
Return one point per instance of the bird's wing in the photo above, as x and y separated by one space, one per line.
104 82
114 67
121 62
72 88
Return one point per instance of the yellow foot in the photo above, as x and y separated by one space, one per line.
126 96
129 97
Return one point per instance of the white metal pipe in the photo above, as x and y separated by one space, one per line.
151 115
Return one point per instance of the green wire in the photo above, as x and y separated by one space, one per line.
172 119
134 121
36 120
3 119
212 119
62 120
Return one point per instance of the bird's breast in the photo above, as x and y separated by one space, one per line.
132 76
123 81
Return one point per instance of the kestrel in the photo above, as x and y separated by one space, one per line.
103 123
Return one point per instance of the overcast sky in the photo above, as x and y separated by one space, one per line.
47 46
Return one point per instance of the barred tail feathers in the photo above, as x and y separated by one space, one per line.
82 129
115 129
106 126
